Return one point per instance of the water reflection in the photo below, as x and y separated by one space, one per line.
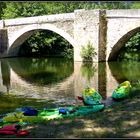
5 72
127 70
38 78
62 80
42 71
102 79
88 70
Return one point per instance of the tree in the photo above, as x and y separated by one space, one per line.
2 7
135 5
23 9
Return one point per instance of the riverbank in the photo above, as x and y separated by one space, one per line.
121 120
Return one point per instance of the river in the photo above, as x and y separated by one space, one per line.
63 80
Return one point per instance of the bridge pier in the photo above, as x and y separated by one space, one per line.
102 36
3 42
86 26
90 26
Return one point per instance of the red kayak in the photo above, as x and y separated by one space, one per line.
13 129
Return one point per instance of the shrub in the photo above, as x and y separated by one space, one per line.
88 52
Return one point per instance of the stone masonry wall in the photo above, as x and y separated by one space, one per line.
120 23
105 29
86 28
3 42
60 21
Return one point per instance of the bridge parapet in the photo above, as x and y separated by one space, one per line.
39 19
121 13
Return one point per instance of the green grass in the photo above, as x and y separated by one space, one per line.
9 103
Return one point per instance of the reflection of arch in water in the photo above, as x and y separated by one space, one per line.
49 91
121 42
42 71
22 86
122 71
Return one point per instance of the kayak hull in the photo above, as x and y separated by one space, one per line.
122 91
50 114
91 96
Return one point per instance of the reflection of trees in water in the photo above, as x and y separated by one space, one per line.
88 70
5 72
122 71
42 71
116 71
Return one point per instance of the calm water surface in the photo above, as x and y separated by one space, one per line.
63 80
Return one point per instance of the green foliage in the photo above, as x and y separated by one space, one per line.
23 9
68 53
133 41
135 5
88 52
2 7
131 49
113 5
46 43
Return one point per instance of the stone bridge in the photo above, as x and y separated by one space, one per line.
107 30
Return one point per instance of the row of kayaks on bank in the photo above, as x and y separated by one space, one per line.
49 114
92 103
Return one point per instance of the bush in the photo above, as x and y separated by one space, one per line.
88 52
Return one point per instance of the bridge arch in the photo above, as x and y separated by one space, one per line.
18 37
121 42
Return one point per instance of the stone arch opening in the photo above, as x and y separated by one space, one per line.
22 35
120 43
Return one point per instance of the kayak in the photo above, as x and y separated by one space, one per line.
91 96
83 110
20 118
72 111
122 91
51 114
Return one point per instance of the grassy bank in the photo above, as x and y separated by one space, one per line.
121 120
